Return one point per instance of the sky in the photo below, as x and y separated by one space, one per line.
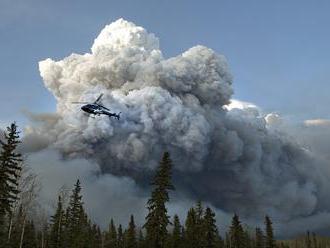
277 50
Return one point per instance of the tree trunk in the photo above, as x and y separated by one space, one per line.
10 227
22 234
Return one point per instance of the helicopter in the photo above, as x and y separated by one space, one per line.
96 108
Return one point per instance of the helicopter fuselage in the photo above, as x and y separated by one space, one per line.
96 109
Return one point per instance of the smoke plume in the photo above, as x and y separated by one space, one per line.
225 153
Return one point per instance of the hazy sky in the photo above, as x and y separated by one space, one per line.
278 51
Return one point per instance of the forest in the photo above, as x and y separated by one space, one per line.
70 227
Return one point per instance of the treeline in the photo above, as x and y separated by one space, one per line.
70 226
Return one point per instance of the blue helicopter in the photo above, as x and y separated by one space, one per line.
97 109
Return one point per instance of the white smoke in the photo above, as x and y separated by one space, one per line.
225 154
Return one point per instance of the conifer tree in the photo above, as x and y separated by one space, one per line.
210 230
56 237
236 233
95 237
176 236
111 236
247 239
157 218
120 237
269 242
199 227
130 237
190 238
259 239
75 218
10 167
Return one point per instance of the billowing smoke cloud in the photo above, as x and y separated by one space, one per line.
229 156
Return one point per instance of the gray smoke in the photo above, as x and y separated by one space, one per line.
231 156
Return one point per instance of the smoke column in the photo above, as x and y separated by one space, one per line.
226 153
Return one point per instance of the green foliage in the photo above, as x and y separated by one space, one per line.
130 237
191 234
120 237
110 240
56 239
71 228
236 233
210 230
141 241
10 167
270 241
259 239
157 219
176 236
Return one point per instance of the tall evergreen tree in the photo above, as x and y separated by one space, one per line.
248 242
259 239
199 226
130 237
270 241
94 238
56 238
190 238
75 218
111 236
210 230
157 218
120 237
176 237
236 233
10 167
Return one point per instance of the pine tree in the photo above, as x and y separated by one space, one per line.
10 167
199 227
56 238
247 239
130 237
75 218
176 237
190 238
95 237
270 242
210 231
259 239
120 237
157 218
236 233
111 236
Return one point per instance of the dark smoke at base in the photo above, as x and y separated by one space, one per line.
233 158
